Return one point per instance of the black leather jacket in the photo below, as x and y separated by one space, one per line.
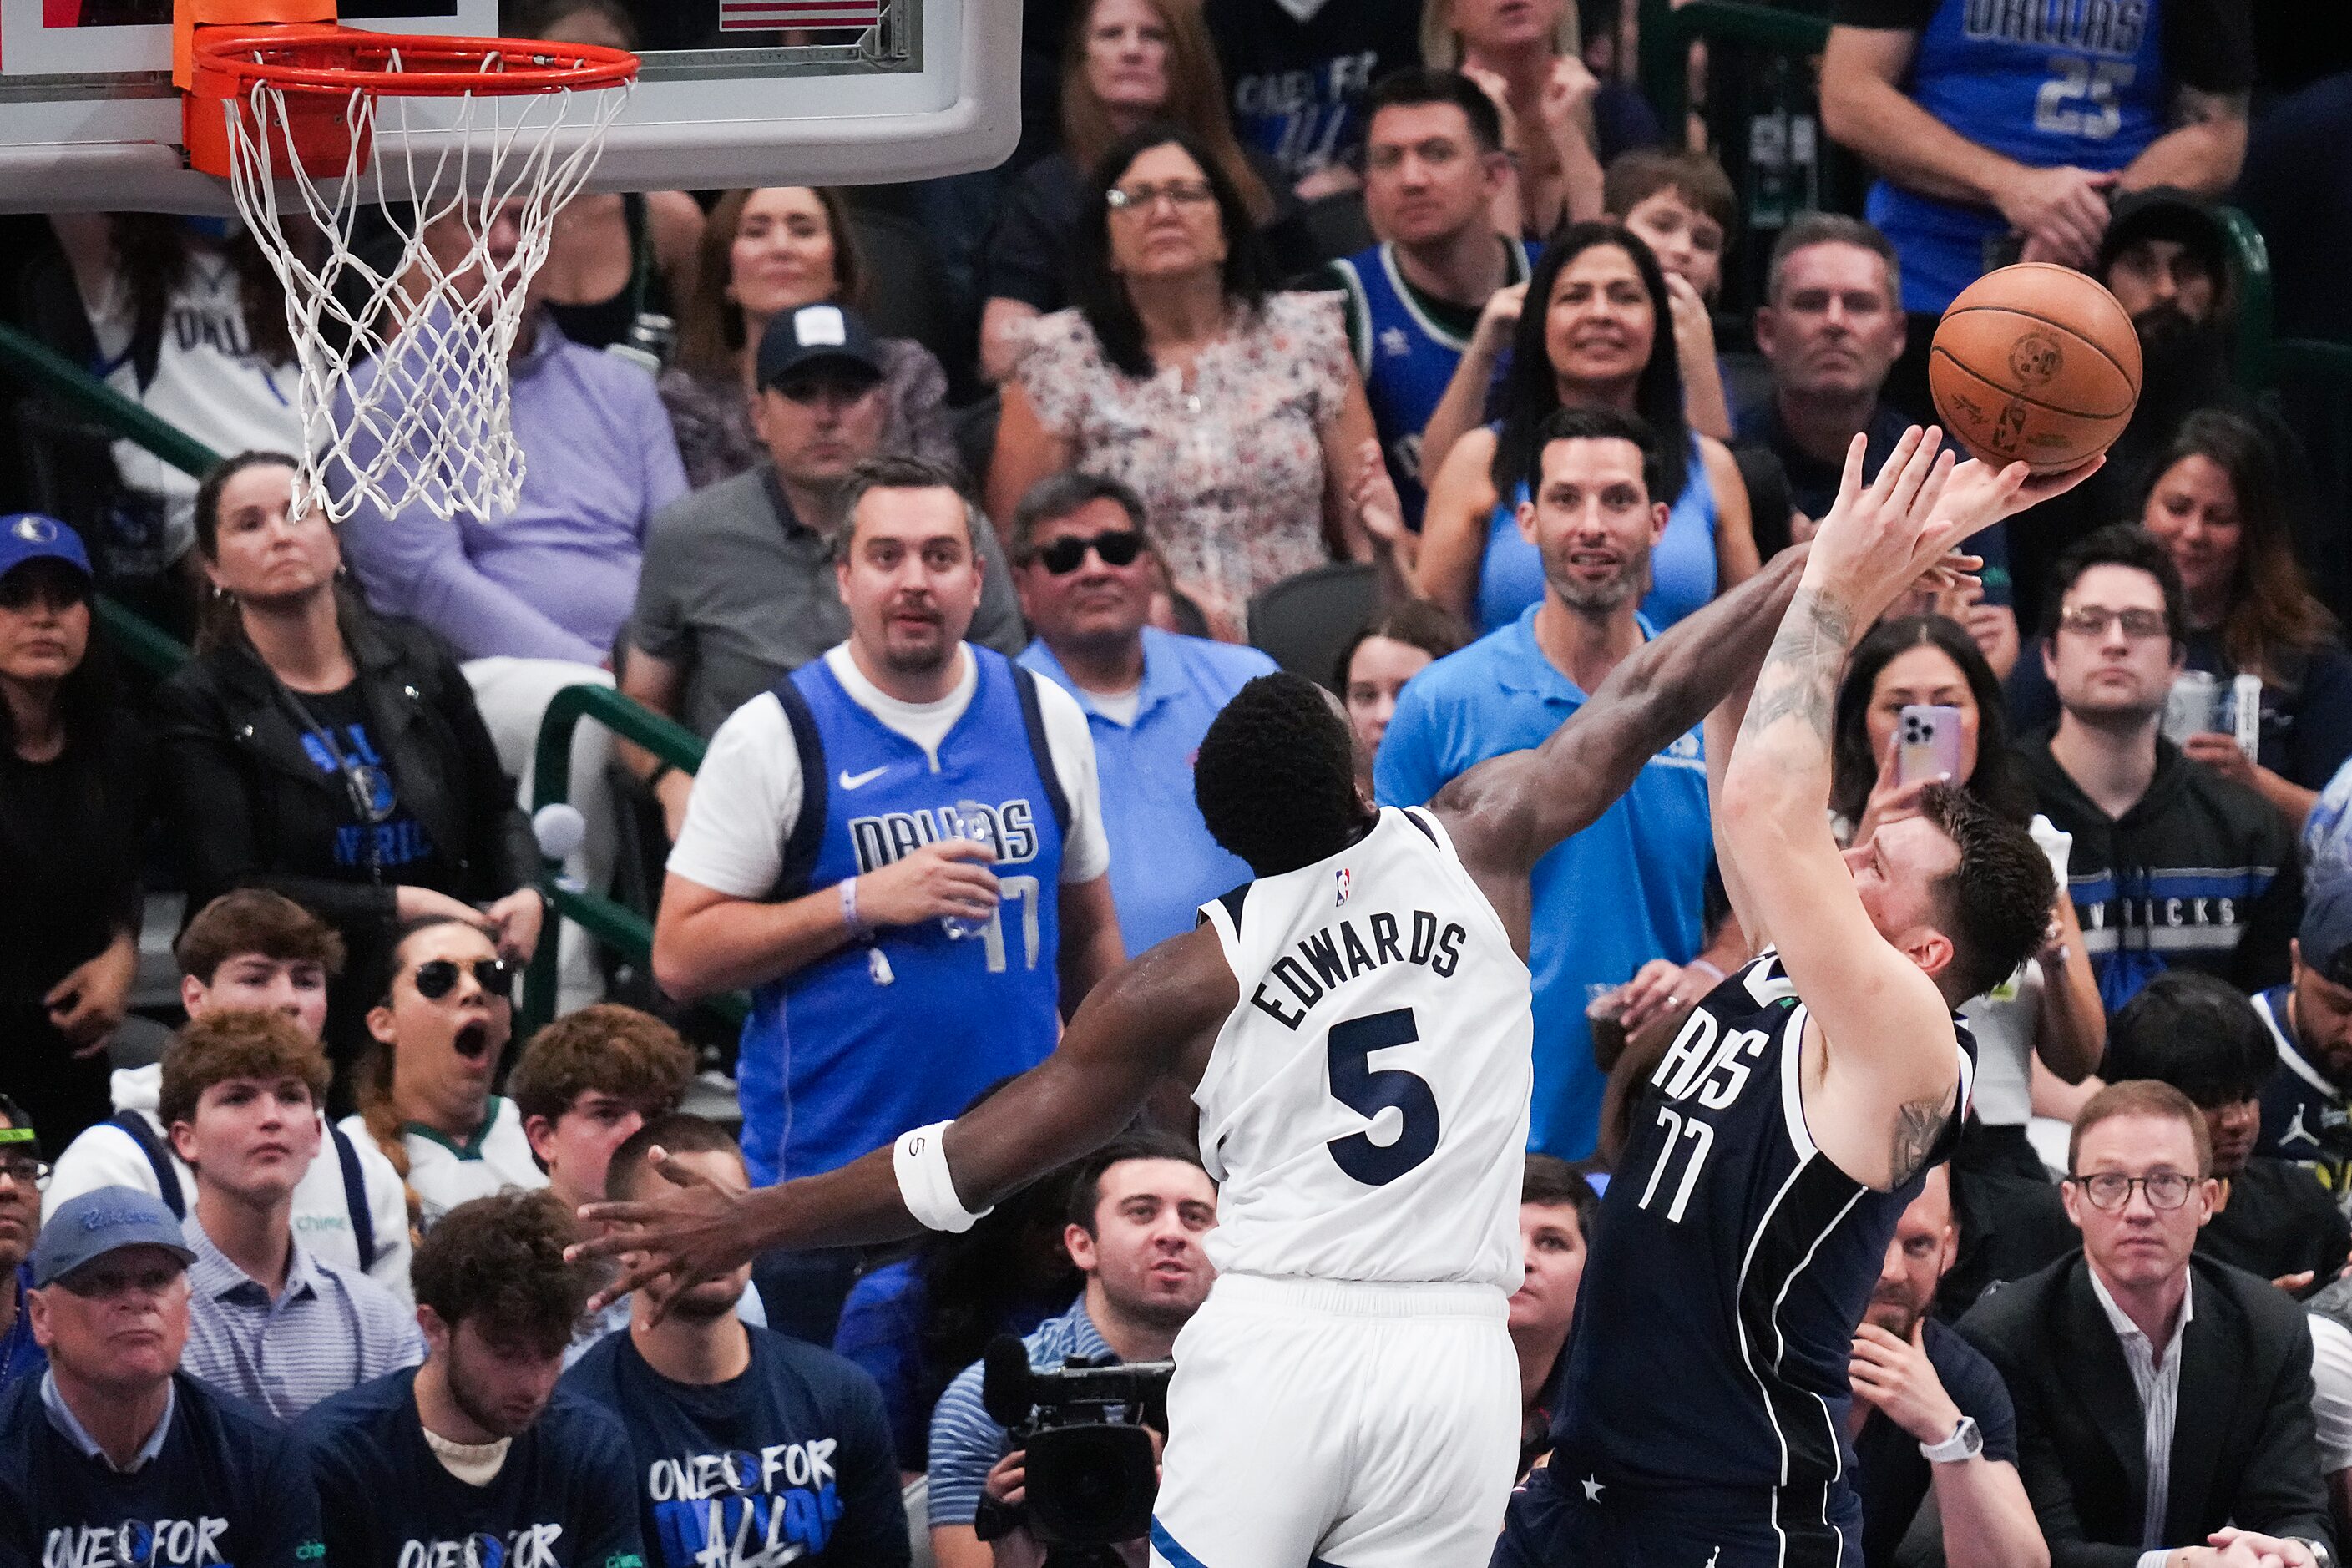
248 808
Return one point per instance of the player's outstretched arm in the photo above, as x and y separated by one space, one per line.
1138 1027
1886 1093
1507 812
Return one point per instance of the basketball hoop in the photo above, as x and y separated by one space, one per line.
402 345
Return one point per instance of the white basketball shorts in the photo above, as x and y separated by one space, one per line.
1357 1426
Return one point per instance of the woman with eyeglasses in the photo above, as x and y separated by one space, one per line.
74 799
765 252
328 754
2217 503
443 1014
1234 412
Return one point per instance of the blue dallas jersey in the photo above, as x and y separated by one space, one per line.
840 1057
563 1496
1407 359
1731 1266
789 1462
2044 82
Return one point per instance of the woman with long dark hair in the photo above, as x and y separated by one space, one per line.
73 810
1235 413
1603 340
328 754
2051 1007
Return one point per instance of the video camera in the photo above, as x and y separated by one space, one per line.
1091 1477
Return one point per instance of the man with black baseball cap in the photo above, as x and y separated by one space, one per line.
2306 1117
737 587
114 1432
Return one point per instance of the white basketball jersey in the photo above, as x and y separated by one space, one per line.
1365 1109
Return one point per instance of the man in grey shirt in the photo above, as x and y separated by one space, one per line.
738 586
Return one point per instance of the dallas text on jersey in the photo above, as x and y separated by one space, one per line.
1337 953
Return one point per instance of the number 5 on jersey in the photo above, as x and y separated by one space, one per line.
1368 1091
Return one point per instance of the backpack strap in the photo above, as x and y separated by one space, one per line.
355 1198
1033 719
806 838
167 1174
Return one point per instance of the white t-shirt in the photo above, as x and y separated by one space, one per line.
445 1173
747 794
107 1156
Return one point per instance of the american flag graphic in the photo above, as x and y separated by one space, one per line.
774 16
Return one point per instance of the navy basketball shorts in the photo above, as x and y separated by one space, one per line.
1567 1517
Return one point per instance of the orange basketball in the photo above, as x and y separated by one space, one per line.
2034 363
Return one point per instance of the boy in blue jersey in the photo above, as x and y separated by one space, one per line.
475 1455
2000 129
749 1446
116 1456
1433 165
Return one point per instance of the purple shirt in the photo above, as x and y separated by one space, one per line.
556 579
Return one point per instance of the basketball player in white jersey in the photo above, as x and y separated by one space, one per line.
1353 1027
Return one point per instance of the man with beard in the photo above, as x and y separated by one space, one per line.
739 1436
1631 886
1138 1207
2202 1036
901 845
475 1457
2306 1115
1930 1413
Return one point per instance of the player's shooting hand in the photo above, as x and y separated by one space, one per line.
950 877
1895 1376
2061 212
1877 540
679 1239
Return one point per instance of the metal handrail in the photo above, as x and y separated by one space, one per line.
606 920
1668 31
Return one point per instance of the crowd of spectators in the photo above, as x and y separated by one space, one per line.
1281 293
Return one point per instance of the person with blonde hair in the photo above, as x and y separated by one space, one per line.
1524 57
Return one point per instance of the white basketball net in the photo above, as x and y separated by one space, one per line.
403 352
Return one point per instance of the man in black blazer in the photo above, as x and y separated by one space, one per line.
2163 1399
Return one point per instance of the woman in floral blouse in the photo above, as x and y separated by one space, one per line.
1235 413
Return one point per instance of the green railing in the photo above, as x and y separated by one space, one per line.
1669 30
609 922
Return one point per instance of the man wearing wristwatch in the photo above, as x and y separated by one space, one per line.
1930 1413
2163 1400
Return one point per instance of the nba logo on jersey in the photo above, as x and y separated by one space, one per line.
1345 880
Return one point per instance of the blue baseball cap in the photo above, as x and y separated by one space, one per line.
29 536
2324 938
104 1220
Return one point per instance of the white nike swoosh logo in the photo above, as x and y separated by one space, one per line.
855 780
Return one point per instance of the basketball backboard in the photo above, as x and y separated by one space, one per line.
757 92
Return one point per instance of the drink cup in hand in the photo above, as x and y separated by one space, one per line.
973 822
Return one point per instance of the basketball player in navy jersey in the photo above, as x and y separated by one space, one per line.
1354 1029
1704 1418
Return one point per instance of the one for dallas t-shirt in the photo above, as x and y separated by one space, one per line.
563 1499
789 1462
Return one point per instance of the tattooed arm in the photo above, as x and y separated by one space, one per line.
1879 1073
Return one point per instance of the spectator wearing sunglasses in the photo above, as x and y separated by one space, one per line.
253 949
737 587
328 754
2163 1398
117 1430
73 804
268 1320
440 1026
22 1177
1086 575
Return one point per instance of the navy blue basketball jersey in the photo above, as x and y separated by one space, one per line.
2304 1118
1407 358
1730 1267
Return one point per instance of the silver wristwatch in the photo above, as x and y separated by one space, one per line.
1965 1442
2318 1550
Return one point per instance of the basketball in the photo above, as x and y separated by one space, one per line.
2034 363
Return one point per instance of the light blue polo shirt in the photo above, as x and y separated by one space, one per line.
1163 864
1628 888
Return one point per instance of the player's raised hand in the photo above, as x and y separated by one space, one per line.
683 1237
1872 545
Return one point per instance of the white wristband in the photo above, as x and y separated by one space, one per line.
919 1160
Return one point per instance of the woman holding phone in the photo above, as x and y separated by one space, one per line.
1920 706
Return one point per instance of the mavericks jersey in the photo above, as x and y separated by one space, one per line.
1364 1111
1730 1267
2045 82
1407 359
904 1028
